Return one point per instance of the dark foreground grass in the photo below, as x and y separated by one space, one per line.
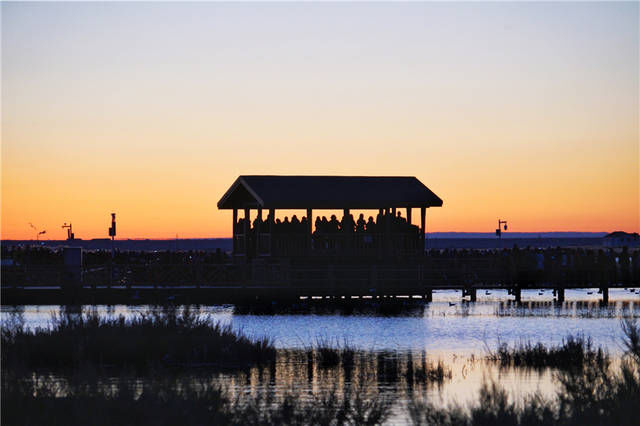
168 337
573 353
594 393
167 401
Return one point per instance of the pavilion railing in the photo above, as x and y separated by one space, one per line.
327 244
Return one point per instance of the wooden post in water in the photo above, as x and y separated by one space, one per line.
518 294
428 294
560 294
605 295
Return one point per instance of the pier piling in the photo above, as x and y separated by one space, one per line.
517 294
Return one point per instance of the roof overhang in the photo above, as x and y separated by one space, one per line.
327 192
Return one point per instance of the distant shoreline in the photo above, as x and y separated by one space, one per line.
432 235
436 240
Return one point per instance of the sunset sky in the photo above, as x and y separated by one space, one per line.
523 111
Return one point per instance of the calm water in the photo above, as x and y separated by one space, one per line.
455 332
444 327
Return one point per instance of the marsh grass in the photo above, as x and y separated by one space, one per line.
592 393
166 337
573 353
330 353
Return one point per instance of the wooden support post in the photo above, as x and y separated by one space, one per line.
518 294
473 294
309 227
605 295
428 294
247 218
272 224
409 215
258 230
233 230
423 226
387 230
560 294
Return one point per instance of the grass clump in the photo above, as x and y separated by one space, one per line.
573 353
166 337
330 354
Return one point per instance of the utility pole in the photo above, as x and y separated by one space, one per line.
112 234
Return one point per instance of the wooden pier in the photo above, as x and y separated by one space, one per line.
275 260
283 280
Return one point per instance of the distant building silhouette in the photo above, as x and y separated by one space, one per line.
621 239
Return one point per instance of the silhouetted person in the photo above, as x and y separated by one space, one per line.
325 224
371 225
334 225
267 224
361 224
295 224
347 223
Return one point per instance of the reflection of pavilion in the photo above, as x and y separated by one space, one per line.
388 235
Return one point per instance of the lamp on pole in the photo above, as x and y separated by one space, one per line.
112 234
498 230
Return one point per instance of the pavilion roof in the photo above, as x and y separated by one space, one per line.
327 192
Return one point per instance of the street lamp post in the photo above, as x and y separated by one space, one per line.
498 230
112 234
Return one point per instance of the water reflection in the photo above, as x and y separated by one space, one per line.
396 376
441 329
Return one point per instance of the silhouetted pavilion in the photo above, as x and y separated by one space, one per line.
270 193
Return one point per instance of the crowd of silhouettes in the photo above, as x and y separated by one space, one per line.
347 224
329 234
